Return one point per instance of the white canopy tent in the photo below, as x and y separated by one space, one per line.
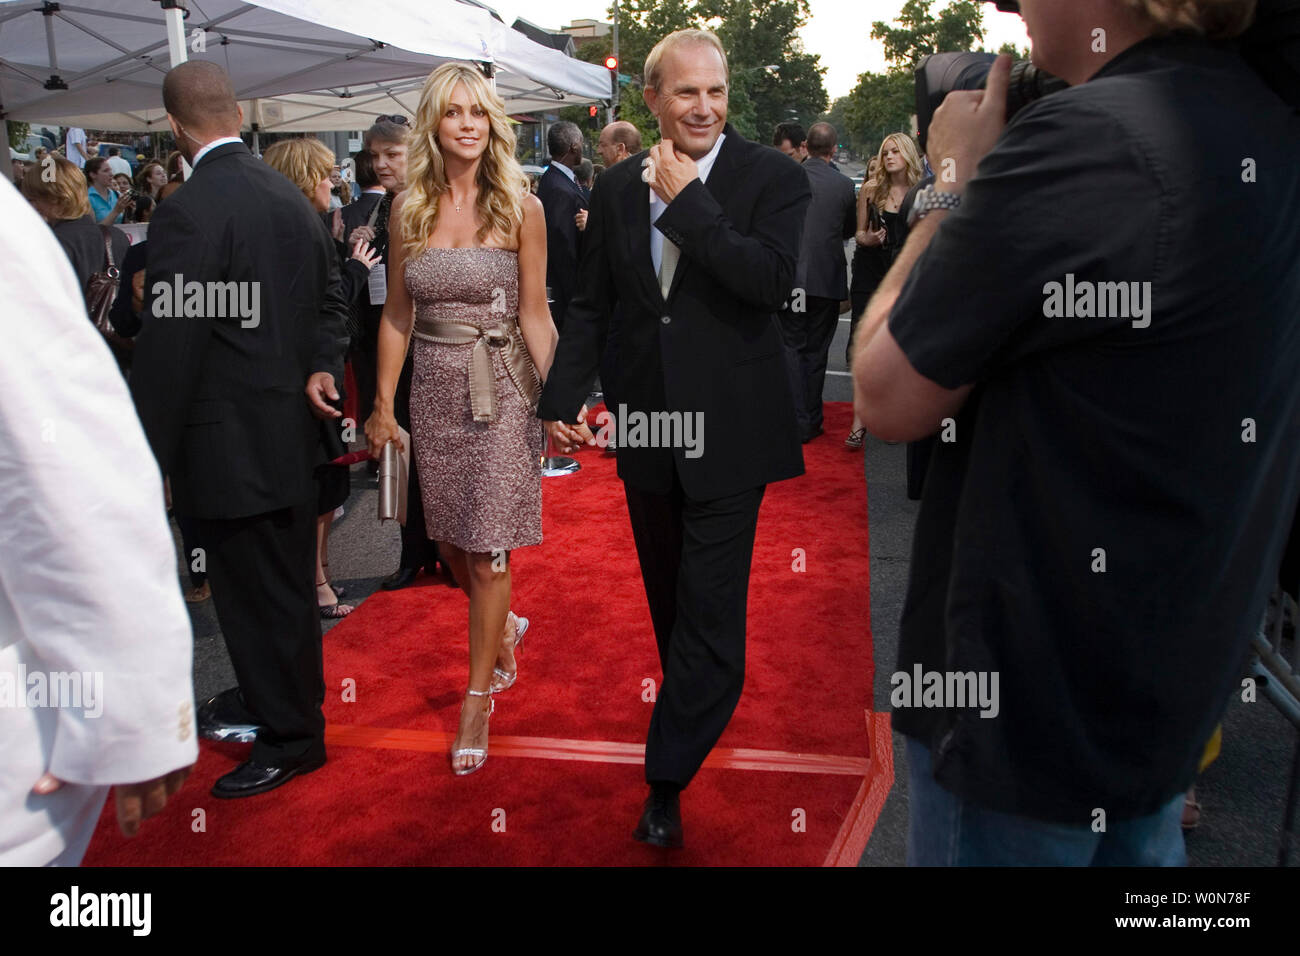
296 65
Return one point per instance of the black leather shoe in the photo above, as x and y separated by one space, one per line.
401 578
226 718
251 778
661 821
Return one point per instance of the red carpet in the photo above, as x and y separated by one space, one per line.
797 779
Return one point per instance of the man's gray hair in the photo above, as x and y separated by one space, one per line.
562 137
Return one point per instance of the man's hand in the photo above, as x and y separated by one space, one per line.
965 127
135 801
669 170
320 392
362 232
580 219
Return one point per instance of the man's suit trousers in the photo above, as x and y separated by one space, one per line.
695 558
808 336
263 588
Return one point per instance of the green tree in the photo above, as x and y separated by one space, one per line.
883 103
919 33
757 34
18 133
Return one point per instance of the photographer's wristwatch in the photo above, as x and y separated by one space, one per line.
928 200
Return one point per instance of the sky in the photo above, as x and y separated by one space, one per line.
839 30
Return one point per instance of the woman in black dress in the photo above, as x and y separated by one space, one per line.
880 232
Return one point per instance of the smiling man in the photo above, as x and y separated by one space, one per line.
690 251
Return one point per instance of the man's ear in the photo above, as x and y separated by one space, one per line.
241 115
651 97
176 127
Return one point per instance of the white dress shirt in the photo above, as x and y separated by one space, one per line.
657 205
573 177
88 577
213 145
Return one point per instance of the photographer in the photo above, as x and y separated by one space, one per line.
1115 474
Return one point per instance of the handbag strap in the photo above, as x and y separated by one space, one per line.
374 213
108 247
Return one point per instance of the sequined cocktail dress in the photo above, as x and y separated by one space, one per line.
478 442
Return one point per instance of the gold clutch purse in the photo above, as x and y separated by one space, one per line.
394 469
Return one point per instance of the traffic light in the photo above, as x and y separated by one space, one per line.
593 117
611 63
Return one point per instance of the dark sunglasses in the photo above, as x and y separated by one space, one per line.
393 118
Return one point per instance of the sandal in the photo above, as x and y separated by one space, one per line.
854 441
507 678
480 752
332 612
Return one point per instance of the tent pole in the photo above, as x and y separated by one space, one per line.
174 12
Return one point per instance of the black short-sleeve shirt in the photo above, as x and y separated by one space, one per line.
1102 527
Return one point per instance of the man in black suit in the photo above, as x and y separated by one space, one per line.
699 345
245 312
359 213
821 279
562 199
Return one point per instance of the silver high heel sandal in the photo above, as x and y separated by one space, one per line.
508 679
480 752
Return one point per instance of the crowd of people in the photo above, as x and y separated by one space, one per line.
1107 557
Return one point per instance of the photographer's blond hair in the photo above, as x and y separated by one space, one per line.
651 72
304 161
67 196
501 182
1217 19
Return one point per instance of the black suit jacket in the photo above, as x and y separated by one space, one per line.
714 347
561 200
832 218
223 404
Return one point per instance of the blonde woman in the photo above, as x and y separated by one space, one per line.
897 168
307 163
467 279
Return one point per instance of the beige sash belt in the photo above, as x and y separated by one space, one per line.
482 383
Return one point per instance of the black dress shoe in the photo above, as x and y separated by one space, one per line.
252 778
401 578
809 436
226 718
661 820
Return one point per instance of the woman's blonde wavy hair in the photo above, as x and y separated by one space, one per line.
911 156
1217 19
502 184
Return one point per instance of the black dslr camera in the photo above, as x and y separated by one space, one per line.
1271 46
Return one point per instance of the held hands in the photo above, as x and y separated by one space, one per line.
381 428
966 126
569 438
320 392
135 801
667 171
360 233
